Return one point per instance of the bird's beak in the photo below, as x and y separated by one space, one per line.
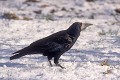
85 25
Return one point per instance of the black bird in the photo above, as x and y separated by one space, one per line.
54 45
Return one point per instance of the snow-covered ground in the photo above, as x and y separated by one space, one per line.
95 55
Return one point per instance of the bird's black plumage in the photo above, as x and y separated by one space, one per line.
54 45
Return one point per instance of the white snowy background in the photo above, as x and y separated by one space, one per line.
95 55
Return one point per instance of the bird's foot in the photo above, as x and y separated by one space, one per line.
60 66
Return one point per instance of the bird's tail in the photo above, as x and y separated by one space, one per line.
16 56
21 53
22 50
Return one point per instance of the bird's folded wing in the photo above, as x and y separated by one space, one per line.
64 39
48 46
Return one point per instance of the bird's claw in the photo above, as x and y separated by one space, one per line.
60 66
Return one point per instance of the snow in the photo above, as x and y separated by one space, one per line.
98 43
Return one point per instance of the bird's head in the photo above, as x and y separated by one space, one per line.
77 27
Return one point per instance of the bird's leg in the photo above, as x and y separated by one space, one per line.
57 63
49 58
50 63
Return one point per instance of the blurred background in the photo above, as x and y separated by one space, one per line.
95 55
60 9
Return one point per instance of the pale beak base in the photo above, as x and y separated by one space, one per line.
85 25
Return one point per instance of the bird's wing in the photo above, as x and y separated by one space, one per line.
53 42
51 46
48 46
64 39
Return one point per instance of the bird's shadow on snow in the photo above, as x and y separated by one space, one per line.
9 64
88 55
74 55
